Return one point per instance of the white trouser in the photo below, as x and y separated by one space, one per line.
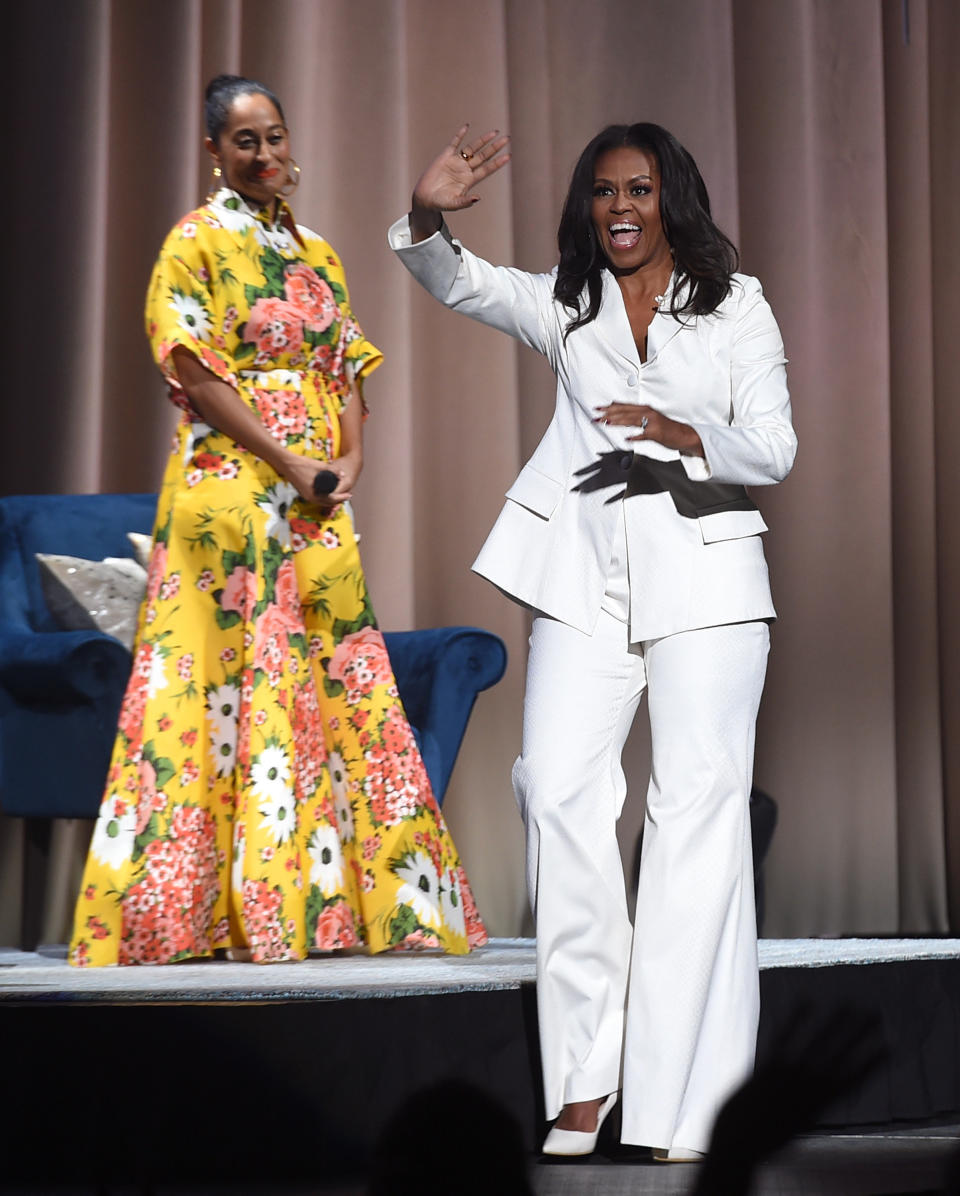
680 1017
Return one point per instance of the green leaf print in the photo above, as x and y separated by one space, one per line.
403 923
232 559
274 269
205 537
366 618
225 618
315 904
298 642
162 534
328 336
272 558
315 599
165 770
245 349
150 832
333 689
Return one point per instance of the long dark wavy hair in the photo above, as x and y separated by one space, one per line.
704 257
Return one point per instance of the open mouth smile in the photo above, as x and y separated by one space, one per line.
624 235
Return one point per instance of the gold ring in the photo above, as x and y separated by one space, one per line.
466 157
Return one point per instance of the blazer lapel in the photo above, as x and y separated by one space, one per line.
614 327
664 327
612 323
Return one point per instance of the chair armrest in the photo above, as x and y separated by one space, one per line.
439 673
61 664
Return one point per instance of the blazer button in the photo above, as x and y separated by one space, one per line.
626 462
631 379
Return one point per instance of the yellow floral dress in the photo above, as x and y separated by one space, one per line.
265 789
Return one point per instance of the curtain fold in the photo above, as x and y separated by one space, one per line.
913 507
828 141
943 49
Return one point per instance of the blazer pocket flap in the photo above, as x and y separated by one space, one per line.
535 491
730 525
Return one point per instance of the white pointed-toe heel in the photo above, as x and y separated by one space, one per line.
678 1154
578 1142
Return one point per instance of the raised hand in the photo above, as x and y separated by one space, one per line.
446 183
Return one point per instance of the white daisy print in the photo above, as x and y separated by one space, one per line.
326 869
420 887
193 438
344 808
271 772
223 747
158 675
277 508
279 816
341 796
114 832
223 704
193 315
451 902
239 847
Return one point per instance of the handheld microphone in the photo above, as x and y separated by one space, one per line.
325 481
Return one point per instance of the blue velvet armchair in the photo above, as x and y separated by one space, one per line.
60 691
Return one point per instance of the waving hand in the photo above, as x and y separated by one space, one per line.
446 183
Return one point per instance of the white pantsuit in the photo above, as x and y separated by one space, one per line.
683 1013
664 589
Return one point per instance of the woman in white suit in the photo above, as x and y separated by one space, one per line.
630 535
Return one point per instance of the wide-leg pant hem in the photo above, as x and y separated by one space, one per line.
687 988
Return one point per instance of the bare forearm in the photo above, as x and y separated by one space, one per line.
351 427
424 221
222 408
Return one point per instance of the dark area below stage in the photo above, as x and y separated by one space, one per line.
257 1095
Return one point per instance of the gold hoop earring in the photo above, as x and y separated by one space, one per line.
215 183
291 184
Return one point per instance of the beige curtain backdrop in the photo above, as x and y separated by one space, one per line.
827 131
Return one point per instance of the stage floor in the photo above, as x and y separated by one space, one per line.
329 1043
505 964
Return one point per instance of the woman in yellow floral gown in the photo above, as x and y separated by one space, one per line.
265 792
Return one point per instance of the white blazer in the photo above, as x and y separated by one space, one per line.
724 374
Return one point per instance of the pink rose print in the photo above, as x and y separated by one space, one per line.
158 567
271 647
311 296
135 700
288 593
360 661
335 928
274 326
283 412
148 791
240 592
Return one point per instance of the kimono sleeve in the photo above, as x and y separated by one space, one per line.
360 357
180 310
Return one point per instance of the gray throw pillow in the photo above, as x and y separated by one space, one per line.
94 595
